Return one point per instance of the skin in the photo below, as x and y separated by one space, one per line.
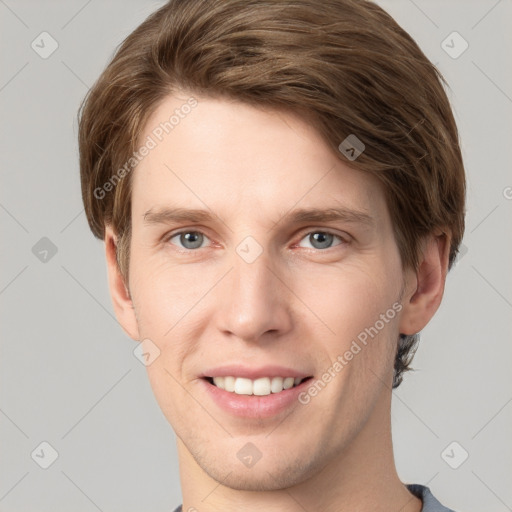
297 305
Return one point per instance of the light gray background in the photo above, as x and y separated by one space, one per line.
68 375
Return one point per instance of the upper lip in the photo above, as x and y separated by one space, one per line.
236 370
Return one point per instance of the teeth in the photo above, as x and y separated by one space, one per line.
276 385
288 382
243 387
229 383
260 387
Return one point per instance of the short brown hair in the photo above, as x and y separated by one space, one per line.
345 65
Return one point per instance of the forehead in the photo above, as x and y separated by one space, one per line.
225 155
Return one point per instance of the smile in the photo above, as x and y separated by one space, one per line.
260 387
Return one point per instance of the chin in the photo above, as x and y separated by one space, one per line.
265 475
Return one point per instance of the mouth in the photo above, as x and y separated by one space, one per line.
262 386
264 391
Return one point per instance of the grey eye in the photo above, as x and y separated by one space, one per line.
189 239
321 239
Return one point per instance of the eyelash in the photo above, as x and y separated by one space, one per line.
343 241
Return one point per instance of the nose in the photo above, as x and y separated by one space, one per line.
256 301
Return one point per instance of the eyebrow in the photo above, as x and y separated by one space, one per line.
169 215
328 215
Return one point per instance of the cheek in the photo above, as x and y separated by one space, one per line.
350 297
173 303
165 293
359 312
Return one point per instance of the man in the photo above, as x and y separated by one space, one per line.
280 189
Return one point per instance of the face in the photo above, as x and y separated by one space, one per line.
250 292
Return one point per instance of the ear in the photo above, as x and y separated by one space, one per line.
121 300
425 287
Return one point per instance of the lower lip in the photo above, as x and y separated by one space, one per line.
254 406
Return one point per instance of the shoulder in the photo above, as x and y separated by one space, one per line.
430 503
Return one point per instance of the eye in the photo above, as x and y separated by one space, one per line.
189 239
322 239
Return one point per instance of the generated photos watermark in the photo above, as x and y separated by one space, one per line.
151 142
343 359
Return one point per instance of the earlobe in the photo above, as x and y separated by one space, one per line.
422 300
119 293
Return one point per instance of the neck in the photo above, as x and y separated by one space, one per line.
361 478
